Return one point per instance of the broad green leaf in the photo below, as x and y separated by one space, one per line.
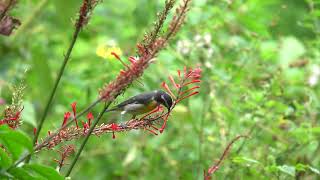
14 141
22 174
43 171
5 159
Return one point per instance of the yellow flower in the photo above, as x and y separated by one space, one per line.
105 51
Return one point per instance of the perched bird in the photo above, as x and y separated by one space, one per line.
143 103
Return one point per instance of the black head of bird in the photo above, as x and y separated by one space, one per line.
164 98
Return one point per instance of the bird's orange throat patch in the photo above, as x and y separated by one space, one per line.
149 107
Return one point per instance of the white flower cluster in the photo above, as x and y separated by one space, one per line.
185 46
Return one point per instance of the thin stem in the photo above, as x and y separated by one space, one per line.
201 130
178 20
53 92
249 134
215 167
39 146
161 18
106 106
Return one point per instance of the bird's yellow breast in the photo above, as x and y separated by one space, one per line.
148 107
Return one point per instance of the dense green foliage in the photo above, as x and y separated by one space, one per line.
261 66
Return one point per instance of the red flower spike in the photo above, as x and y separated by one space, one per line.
193 81
197 70
122 72
49 133
215 167
185 71
165 119
114 127
194 93
179 73
173 82
85 126
154 127
195 73
66 117
152 131
166 87
132 59
118 57
73 105
90 117
186 91
34 131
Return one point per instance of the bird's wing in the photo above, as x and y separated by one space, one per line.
138 99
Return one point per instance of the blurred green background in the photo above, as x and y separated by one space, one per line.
261 70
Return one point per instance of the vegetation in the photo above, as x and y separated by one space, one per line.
255 116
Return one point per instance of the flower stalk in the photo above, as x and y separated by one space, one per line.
84 12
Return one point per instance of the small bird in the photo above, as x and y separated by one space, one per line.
143 103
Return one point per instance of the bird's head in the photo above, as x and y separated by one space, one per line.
164 99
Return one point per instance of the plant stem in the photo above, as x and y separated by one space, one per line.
39 146
53 92
87 137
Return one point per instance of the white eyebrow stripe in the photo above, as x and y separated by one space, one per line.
162 97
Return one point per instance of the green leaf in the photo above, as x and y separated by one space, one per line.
44 171
288 169
22 174
301 167
14 141
5 159
241 160
314 170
